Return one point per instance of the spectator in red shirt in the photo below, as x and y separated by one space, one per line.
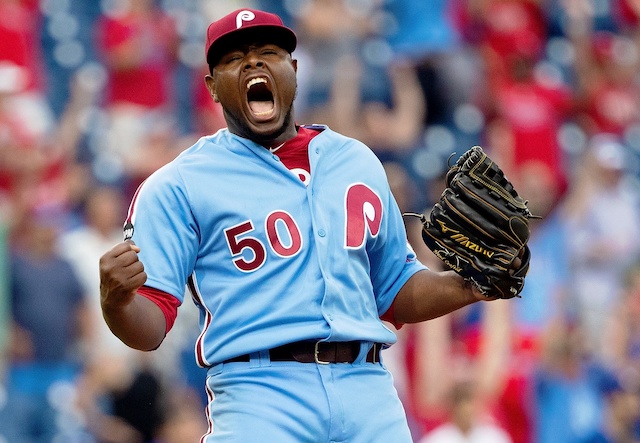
526 111
606 66
20 48
20 40
138 46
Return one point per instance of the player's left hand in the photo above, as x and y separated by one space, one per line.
479 227
479 295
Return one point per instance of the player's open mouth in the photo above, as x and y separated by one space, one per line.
260 97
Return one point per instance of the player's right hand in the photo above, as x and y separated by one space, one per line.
121 274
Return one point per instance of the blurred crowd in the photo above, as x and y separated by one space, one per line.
94 96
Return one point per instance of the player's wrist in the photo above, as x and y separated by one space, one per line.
458 288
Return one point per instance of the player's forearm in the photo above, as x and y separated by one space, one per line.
430 294
140 324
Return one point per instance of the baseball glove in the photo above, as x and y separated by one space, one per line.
480 226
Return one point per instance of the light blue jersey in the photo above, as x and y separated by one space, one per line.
269 259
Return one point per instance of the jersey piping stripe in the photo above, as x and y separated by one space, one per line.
199 348
134 200
210 397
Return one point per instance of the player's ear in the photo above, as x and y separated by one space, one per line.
211 86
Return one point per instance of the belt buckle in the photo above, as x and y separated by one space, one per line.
315 355
373 355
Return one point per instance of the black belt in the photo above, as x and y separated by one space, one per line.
318 352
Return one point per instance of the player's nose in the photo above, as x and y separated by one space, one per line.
253 60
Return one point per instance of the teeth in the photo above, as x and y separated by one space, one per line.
255 81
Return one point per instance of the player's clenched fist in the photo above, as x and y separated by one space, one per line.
121 274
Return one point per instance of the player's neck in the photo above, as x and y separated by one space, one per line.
283 138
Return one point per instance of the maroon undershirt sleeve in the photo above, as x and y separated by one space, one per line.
165 301
390 316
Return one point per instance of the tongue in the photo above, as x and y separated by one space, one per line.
261 107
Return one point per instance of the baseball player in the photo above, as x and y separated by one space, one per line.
289 241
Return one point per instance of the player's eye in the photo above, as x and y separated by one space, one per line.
270 50
235 56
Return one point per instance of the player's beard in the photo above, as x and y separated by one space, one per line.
267 138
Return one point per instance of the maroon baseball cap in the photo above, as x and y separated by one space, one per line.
227 29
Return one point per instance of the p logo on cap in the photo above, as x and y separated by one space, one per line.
268 27
244 16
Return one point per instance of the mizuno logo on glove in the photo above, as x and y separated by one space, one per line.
464 240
